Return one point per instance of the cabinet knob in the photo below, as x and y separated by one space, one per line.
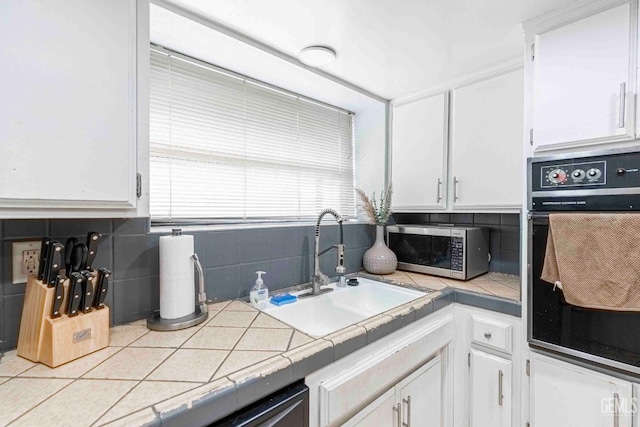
487 335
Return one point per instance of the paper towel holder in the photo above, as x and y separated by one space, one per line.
157 323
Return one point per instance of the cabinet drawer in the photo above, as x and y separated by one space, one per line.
491 333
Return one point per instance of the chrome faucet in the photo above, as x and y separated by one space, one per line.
319 279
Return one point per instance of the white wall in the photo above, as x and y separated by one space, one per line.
370 147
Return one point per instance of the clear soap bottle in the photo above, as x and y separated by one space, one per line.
259 294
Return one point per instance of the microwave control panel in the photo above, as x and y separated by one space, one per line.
457 253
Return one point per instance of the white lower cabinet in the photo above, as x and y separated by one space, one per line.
488 369
566 395
415 401
421 396
381 412
404 379
490 390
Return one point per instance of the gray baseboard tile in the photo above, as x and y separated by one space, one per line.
423 310
309 358
377 327
489 302
212 405
444 299
402 317
255 387
347 341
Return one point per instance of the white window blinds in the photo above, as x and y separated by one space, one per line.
224 147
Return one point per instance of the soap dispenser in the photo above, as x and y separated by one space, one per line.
259 294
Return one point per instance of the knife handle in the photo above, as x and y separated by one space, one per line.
93 238
101 288
75 294
58 297
46 242
87 292
46 263
55 264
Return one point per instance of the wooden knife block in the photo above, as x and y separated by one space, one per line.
61 340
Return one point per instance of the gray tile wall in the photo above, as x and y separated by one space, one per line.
230 259
504 238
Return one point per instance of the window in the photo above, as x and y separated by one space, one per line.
225 147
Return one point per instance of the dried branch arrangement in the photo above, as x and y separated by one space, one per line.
378 214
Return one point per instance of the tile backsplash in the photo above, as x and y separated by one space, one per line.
504 229
230 259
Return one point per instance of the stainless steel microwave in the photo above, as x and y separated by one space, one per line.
442 250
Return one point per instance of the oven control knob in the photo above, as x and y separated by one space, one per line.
594 173
578 174
557 176
621 171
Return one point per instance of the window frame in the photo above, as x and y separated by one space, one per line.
254 221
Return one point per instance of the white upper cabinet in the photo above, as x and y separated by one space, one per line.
461 150
418 157
69 122
486 142
581 75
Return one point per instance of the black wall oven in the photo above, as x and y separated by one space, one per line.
597 182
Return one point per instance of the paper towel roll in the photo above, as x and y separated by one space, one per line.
177 286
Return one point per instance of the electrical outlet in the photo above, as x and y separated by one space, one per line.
25 259
30 261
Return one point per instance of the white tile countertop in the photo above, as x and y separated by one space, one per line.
238 356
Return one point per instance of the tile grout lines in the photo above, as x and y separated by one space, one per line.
151 372
73 380
231 351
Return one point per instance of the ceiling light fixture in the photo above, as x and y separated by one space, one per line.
317 56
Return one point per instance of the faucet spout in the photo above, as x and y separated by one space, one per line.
319 279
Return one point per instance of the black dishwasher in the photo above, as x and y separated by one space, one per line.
288 407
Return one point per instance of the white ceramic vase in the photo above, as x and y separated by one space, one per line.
379 259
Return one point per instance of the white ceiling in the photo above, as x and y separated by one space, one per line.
390 48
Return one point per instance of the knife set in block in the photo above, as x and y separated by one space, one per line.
64 316
55 341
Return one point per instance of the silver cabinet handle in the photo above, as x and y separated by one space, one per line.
398 409
455 188
500 375
408 402
487 335
623 98
616 410
438 196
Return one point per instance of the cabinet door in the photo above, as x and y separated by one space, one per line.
419 150
421 396
486 142
490 391
382 412
583 80
69 130
565 395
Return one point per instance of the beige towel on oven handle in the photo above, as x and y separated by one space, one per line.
595 259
